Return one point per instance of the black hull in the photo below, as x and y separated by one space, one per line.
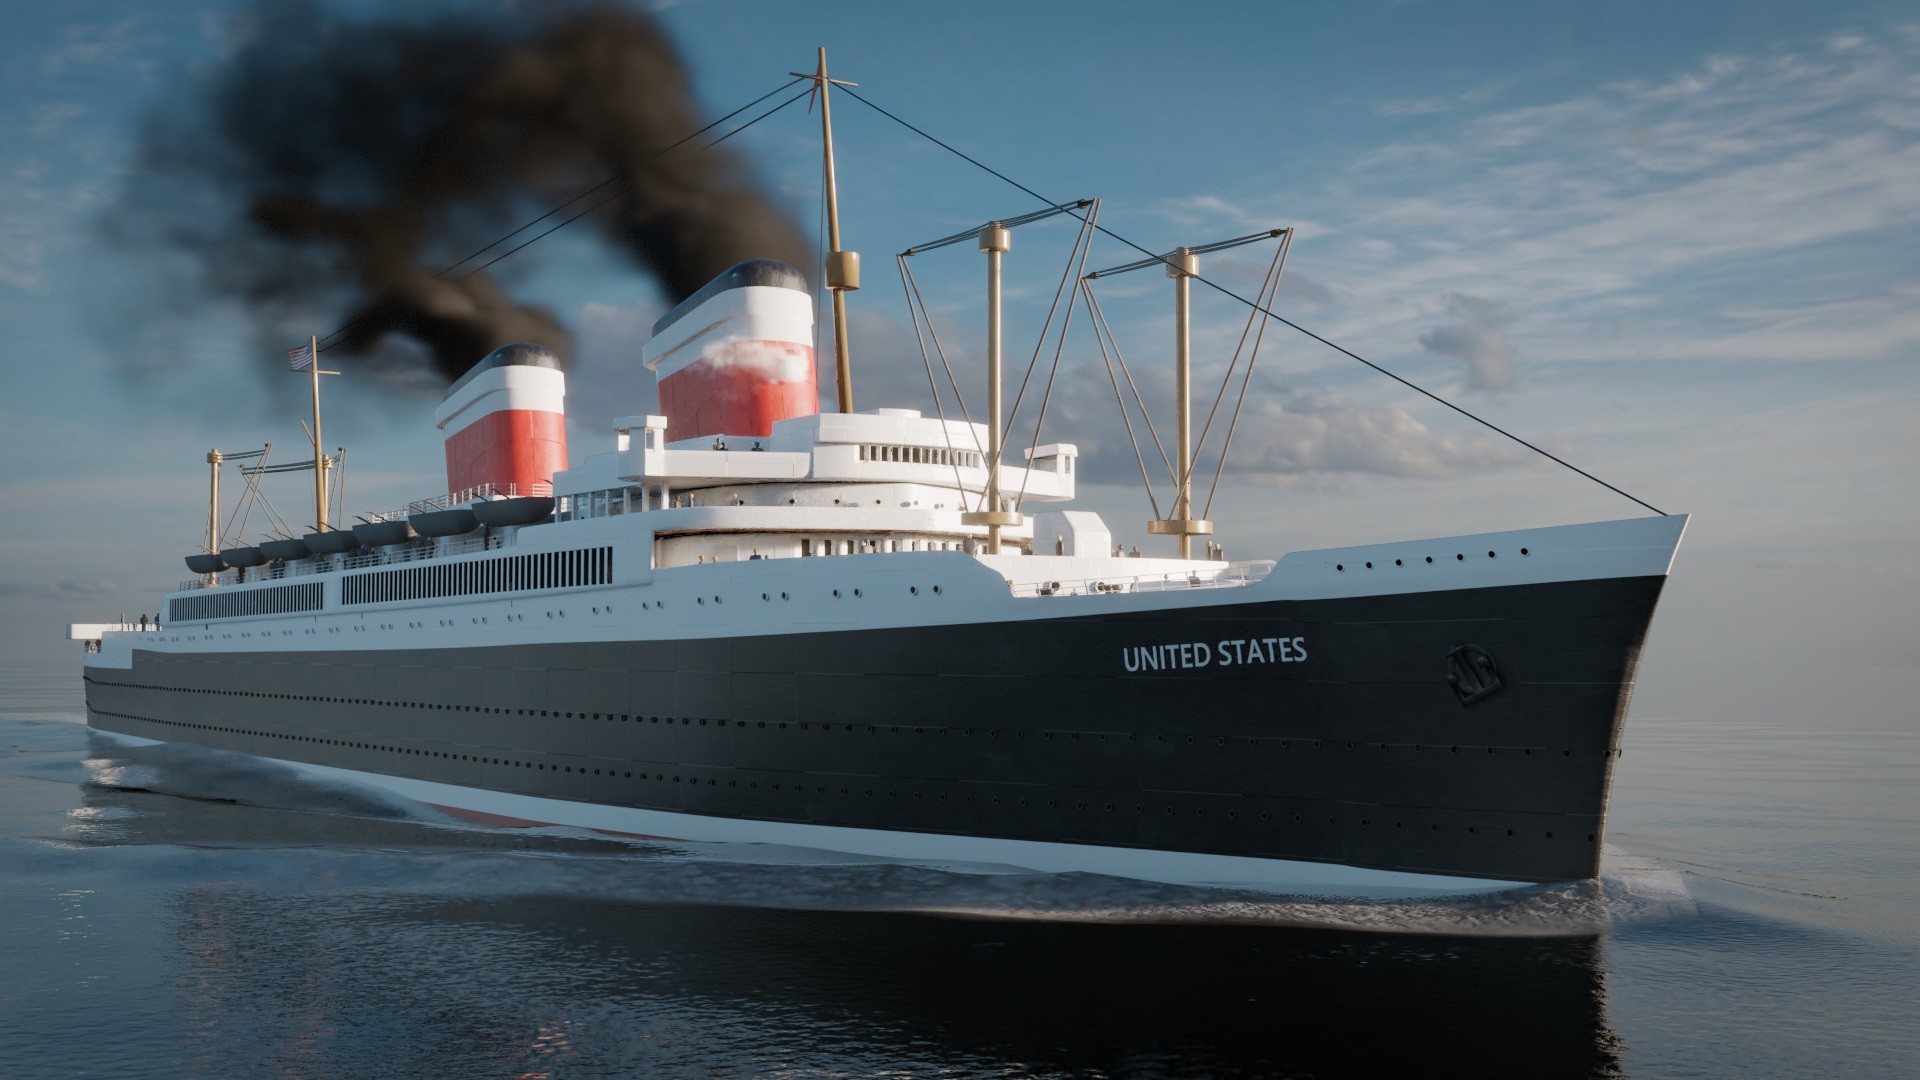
1359 754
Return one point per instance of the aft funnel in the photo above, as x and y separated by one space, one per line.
505 422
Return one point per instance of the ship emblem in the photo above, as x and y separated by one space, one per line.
1472 673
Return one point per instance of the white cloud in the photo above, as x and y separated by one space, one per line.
71 587
1474 334
50 118
1306 435
97 45
35 212
1619 222
607 379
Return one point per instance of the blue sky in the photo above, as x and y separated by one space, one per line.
1675 243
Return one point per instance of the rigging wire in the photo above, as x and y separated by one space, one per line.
1038 345
616 196
664 150
243 510
1268 283
913 286
939 407
328 342
1233 424
1066 274
1125 416
1283 320
339 503
1082 246
1159 444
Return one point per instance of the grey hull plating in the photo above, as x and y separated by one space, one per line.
1359 754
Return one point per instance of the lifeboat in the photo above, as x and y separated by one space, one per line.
286 550
383 533
444 522
337 542
523 511
206 563
243 556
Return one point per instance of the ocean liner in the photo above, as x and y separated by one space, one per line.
741 619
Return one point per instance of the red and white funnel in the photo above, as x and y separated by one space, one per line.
737 355
505 422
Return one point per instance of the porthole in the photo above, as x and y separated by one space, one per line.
1523 551
1340 566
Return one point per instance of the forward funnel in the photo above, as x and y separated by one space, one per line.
737 355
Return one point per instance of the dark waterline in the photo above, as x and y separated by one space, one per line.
183 912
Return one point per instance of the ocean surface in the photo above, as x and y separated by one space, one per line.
178 912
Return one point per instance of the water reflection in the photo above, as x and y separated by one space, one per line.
524 984
328 941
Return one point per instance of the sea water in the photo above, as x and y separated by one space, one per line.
182 912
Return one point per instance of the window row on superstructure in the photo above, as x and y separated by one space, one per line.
511 573
922 455
861 545
235 603
598 504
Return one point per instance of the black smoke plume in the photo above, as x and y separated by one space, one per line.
337 165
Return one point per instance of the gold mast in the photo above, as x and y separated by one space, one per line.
1182 266
995 240
1181 269
843 267
319 469
320 462
214 458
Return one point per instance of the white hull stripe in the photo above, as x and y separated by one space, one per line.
949 852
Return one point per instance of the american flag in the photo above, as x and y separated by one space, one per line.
300 359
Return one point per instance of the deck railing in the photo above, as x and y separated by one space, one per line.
412 551
541 489
1235 575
